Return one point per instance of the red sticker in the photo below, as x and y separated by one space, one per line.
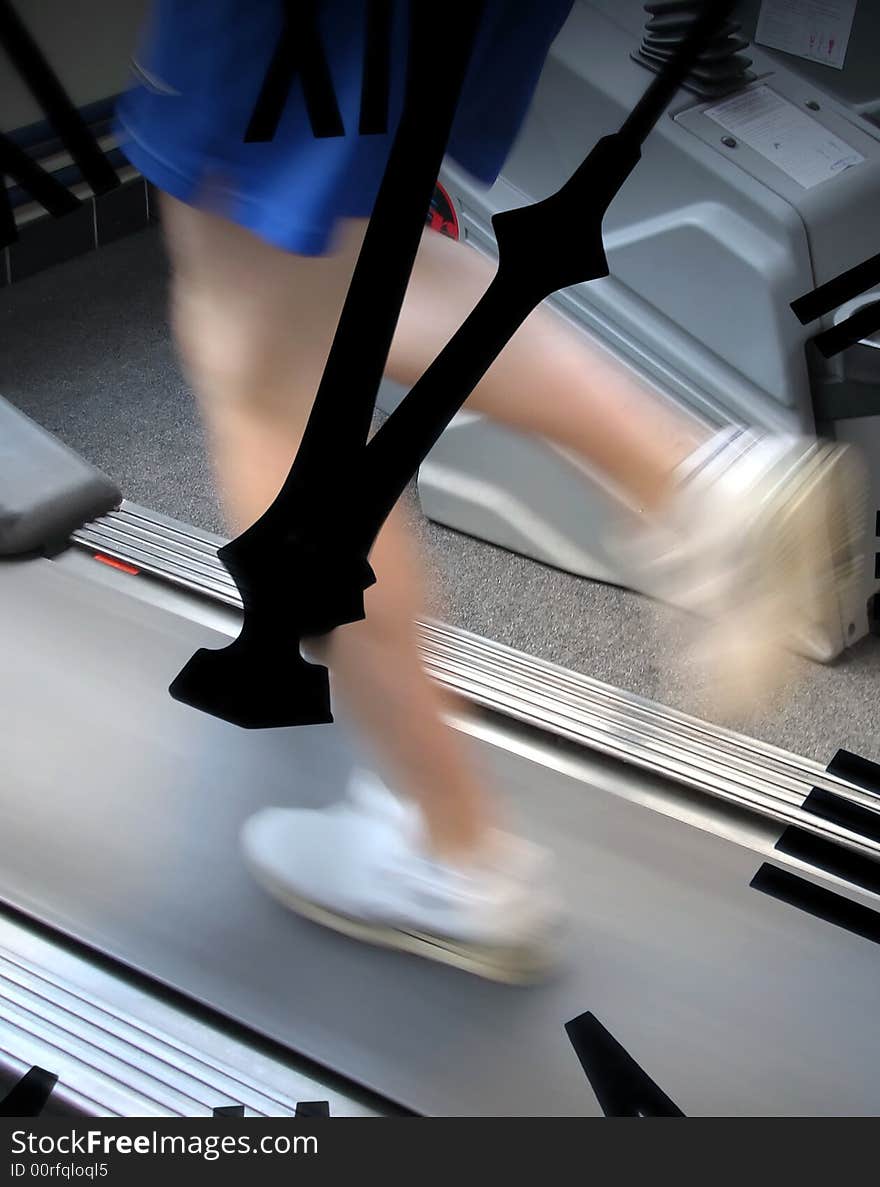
441 215
116 564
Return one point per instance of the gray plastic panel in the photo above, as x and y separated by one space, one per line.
45 488
493 483
119 816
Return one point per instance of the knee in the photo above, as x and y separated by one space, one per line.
225 354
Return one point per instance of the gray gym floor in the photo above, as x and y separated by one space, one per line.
85 350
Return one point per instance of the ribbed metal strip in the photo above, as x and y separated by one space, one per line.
171 555
171 530
162 557
791 772
658 757
740 770
109 1063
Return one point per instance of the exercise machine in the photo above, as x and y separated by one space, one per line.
722 954
735 211
722 957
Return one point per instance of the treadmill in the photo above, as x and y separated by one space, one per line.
722 955
724 895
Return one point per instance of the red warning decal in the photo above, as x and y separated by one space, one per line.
115 564
441 215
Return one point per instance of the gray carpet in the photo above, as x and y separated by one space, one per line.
85 351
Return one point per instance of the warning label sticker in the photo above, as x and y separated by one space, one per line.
780 131
818 30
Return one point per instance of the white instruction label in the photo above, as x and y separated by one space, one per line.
780 131
814 29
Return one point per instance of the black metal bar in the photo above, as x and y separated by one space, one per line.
298 569
861 324
298 52
838 291
376 84
643 117
30 1095
51 194
622 1088
34 67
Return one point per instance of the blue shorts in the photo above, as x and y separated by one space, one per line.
200 67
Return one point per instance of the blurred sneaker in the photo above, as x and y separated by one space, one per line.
763 541
361 868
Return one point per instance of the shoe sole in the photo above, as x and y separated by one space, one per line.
514 965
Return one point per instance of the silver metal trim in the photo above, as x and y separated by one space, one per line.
156 545
120 1052
742 771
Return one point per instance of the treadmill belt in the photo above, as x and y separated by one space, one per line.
119 814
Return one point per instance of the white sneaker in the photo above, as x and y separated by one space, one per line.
764 540
360 868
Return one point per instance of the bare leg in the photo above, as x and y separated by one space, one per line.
549 380
254 326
